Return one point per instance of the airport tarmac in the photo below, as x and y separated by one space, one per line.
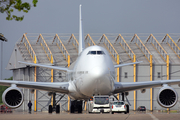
102 116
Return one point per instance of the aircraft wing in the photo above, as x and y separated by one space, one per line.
121 65
129 86
46 66
61 87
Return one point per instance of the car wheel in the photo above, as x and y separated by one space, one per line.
127 106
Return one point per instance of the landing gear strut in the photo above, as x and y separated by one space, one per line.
127 106
55 107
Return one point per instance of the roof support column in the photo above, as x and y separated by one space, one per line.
118 73
134 81
52 96
167 62
69 60
52 75
35 102
151 77
69 101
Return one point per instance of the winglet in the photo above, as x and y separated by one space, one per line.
81 41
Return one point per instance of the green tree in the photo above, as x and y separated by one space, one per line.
2 89
8 6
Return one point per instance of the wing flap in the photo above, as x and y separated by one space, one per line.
61 87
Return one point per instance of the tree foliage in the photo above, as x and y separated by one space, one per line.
3 88
8 6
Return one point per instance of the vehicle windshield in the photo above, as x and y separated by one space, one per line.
101 100
118 103
142 107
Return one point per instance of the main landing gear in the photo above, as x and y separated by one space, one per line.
55 107
76 106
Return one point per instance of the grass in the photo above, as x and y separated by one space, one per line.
171 111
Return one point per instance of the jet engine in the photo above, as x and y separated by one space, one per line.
12 97
167 97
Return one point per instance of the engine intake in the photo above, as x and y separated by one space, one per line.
167 97
12 97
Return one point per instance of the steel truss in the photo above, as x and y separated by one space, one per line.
62 49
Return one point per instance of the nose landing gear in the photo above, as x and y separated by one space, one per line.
55 107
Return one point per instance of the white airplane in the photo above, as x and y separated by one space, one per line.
93 73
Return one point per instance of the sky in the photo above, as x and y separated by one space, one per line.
99 16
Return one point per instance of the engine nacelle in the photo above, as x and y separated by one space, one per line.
167 97
12 97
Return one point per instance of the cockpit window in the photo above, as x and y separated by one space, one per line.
92 52
100 52
96 52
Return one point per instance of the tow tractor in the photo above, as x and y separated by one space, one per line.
98 104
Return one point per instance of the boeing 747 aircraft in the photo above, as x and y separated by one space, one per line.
92 74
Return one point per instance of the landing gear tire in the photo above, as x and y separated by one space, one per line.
112 112
57 109
50 109
72 109
79 109
127 106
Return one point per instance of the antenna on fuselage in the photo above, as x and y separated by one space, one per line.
81 41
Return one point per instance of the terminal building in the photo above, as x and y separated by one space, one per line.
160 54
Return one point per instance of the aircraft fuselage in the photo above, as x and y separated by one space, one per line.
93 73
